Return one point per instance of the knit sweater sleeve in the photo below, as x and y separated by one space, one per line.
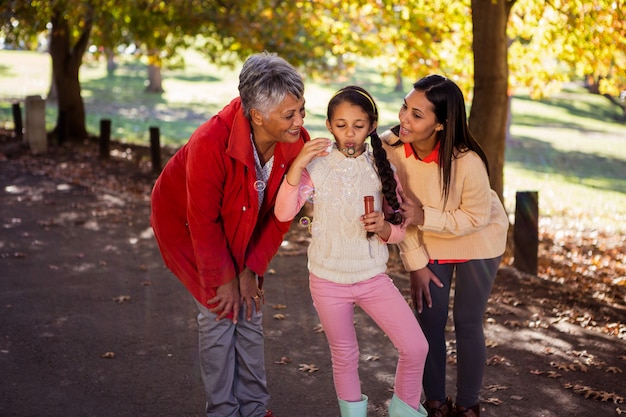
291 198
469 204
412 252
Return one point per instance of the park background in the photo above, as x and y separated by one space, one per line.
565 137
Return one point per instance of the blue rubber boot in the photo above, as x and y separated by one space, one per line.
398 408
354 408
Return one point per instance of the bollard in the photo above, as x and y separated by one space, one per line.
35 133
105 138
526 231
17 121
155 149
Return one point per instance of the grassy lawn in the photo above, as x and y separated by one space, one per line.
569 147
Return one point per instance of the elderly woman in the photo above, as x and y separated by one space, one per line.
213 218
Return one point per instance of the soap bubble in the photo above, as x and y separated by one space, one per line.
348 169
308 193
259 185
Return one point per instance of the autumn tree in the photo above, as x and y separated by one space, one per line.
70 23
489 111
159 29
508 45
307 36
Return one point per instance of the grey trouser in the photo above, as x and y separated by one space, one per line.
232 364
473 283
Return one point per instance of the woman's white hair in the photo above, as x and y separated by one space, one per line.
264 82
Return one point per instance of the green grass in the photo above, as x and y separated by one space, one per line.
570 148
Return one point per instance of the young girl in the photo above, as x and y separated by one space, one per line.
346 265
456 227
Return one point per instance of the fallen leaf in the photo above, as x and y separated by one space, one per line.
561 366
493 401
491 343
495 360
108 355
122 299
284 360
496 387
310 368
279 317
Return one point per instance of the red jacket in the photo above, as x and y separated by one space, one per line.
205 213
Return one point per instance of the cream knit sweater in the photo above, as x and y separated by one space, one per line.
473 224
339 250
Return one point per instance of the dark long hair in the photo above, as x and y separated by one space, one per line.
360 97
449 107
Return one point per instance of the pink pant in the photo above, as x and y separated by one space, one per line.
382 301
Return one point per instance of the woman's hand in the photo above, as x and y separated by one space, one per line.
250 291
411 210
420 287
227 299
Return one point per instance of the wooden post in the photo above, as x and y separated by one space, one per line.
35 133
155 149
17 121
526 231
105 138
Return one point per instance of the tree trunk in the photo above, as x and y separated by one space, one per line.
66 61
52 93
489 111
111 65
399 83
155 79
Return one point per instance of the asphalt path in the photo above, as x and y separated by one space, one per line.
92 324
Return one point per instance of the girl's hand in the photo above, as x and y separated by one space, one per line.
375 222
411 210
420 287
311 150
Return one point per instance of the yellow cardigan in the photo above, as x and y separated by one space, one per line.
473 224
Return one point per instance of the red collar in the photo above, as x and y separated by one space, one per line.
432 157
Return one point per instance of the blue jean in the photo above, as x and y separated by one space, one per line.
232 364
473 283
